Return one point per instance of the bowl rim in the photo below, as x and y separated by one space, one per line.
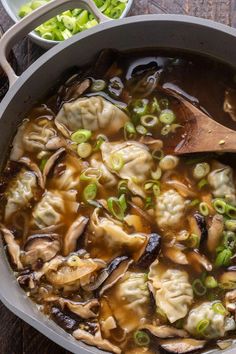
36 37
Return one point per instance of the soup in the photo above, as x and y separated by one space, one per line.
127 247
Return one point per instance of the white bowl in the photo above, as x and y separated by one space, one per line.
12 9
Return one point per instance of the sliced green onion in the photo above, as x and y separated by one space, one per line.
122 200
84 150
202 326
90 191
122 188
98 85
230 285
117 207
219 206
141 339
230 211
203 183
169 162
149 121
201 170
194 202
153 187
116 161
230 225
199 288
210 282
157 154
223 259
81 136
156 174
155 108
100 140
164 103
167 116
141 129
25 10
91 174
141 107
229 240
204 209
69 22
43 163
129 131
166 130
37 3
148 203
193 241
219 308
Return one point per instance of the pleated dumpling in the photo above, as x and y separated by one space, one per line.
107 239
66 173
219 323
20 192
131 161
54 207
222 184
35 136
172 291
107 178
92 113
170 208
129 300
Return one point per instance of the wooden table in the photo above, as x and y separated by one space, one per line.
16 337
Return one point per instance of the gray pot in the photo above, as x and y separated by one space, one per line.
162 31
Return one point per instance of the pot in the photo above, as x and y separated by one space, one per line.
163 31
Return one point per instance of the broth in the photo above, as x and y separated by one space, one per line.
124 246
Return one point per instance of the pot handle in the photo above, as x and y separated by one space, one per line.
34 19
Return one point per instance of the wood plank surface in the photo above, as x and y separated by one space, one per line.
16 337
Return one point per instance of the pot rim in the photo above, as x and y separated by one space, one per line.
208 24
22 80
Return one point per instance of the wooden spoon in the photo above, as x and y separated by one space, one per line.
201 133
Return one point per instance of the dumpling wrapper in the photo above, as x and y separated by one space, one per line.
222 184
136 159
35 136
92 113
107 239
20 192
172 291
54 207
129 300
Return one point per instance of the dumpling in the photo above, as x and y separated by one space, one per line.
172 291
129 300
107 178
66 174
54 207
106 239
219 323
170 207
92 113
20 192
135 163
79 271
222 184
35 136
